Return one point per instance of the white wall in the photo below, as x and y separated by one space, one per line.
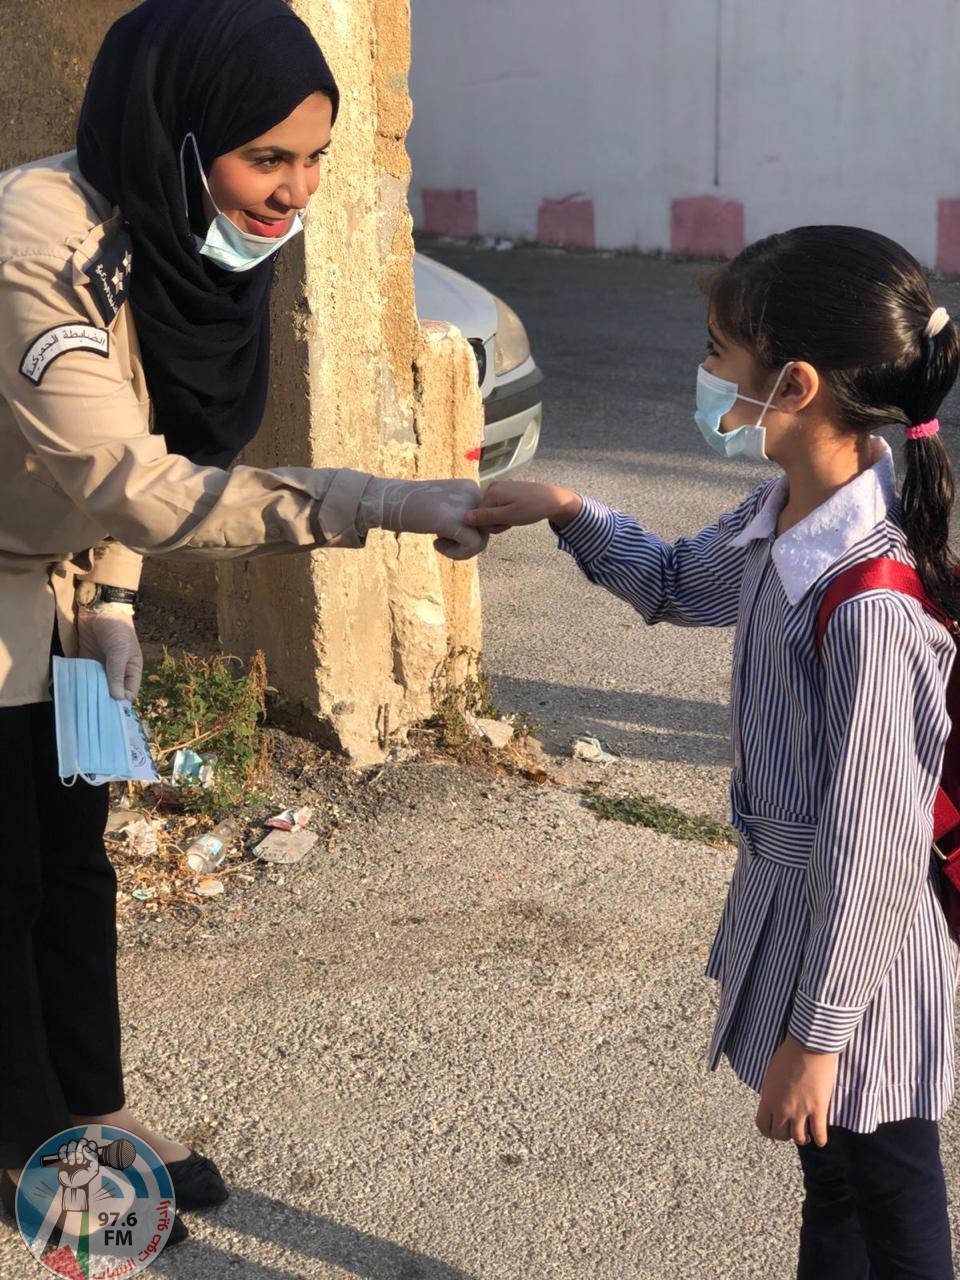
829 110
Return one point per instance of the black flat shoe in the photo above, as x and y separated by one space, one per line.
178 1232
197 1182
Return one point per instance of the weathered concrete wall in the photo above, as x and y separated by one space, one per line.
687 124
354 639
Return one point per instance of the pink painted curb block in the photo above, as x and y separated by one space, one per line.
706 227
450 211
948 237
571 222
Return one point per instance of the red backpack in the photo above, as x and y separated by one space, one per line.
891 575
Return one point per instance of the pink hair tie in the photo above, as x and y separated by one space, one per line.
923 429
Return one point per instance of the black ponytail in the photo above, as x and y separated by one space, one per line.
927 495
857 306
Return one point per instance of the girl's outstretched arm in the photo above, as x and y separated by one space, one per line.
693 582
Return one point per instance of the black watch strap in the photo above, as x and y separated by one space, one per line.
117 595
108 595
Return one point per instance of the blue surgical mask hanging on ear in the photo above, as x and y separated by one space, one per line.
225 244
715 397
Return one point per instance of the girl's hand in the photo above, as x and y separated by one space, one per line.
796 1092
508 503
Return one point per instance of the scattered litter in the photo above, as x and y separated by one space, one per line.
210 887
194 769
497 732
165 795
142 838
291 818
186 766
138 832
118 819
592 750
158 878
208 851
286 846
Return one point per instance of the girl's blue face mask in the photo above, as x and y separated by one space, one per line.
715 397
225 244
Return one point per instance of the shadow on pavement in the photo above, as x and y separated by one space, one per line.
272 1224
673 729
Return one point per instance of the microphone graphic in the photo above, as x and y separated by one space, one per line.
119 1154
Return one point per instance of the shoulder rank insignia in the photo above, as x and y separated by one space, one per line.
109 274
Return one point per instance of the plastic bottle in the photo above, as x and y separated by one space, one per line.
208 851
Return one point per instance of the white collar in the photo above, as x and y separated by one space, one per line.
805 552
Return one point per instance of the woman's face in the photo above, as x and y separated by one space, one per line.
264 183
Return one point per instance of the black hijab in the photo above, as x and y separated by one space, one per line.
227 71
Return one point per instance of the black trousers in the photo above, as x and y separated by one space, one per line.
59 1015
875 1206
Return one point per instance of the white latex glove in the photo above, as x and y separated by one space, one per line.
107 633
426 506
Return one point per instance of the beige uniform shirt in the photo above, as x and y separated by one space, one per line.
85 488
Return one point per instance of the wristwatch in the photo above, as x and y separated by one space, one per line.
91 593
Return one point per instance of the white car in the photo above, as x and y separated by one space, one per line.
510 381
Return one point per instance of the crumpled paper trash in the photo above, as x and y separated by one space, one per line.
286 846
591 750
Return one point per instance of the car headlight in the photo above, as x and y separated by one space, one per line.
513 345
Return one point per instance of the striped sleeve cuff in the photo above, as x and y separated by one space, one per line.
824 1028
590 533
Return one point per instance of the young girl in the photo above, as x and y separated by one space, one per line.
836 965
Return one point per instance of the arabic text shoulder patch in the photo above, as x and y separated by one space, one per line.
53 343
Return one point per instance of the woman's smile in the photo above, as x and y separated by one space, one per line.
260 224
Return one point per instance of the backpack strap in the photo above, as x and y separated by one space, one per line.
885 574
876 575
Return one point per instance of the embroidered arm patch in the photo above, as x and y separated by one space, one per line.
56 342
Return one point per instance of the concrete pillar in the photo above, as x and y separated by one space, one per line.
356 641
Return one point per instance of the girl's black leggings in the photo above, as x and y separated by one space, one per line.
59 1018
875 1206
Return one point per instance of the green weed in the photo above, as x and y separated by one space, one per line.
211 706
645 811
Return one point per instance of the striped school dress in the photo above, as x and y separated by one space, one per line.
832 928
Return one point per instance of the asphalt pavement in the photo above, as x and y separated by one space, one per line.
465 1038
619 338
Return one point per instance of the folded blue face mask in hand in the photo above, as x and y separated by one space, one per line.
99 738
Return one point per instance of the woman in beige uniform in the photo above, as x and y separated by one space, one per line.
135 277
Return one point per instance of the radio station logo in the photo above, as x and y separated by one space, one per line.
95 1202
